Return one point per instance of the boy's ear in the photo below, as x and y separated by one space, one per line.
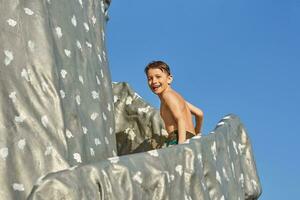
170 79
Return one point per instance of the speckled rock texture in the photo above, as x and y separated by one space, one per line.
56 106
139 127
66 133
217 166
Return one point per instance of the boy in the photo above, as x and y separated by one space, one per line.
174 110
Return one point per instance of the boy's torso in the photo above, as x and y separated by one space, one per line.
169 120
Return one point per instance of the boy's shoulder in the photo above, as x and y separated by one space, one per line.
172 95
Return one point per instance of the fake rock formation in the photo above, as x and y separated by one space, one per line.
58 125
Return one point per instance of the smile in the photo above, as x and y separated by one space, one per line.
155 87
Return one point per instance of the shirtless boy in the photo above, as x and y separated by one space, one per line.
176 113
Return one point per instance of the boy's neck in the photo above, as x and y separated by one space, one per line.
163 92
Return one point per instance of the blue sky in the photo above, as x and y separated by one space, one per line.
240 57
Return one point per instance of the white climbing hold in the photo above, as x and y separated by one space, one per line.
88 44
241 179
103 35
97 80
199 156
187 197
164 132
94 20
11 22
94 116
104 116
30 45
235 147
58 32
137 177
115 98
86 26
106 140
97 141
63 73
227 117
49 150
8 57
78 44
80 78
111 130
102 6
104 56
18 187
74 21
67 52
13 96
80 1
84 130
77 99
99 57
21 144
25 73
114 160
77 157
44 121
62 94
153 153
220 123
232 168
92 151
95 94
214 150
28 11
130 133
225 174
4 153
218 177
241 148
179 169
69 133
20 118
144 110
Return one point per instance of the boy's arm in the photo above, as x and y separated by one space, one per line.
198 115
177 110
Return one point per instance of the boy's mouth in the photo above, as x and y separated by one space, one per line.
155 87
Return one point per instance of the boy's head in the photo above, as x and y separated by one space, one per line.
159 76
158 65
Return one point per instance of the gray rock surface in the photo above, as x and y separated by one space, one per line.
57 120
217 166
139 127
56 106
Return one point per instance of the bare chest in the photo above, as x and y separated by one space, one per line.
166 115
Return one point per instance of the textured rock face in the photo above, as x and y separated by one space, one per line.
56 107
139 127
57 120
217 166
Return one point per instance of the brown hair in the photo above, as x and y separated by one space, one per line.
158 65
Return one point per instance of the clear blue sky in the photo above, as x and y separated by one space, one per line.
240 57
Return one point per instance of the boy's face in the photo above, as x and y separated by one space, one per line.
158 80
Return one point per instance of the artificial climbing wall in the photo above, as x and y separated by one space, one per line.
56 108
